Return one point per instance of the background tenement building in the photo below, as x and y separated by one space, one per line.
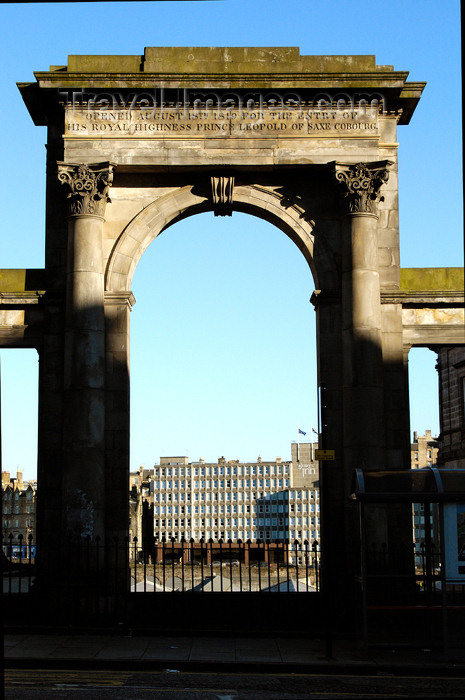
231 500
424 453
18 507
424 450
451 368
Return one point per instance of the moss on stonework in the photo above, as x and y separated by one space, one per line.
19 280
104 64
422 279
213 59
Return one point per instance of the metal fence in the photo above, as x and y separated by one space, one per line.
176 566
425 563
151 584
18 564
232 566
407 596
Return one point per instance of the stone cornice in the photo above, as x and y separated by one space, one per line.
20 336
417 299
321 296
433 334
223 68
20 298
120 298
87 185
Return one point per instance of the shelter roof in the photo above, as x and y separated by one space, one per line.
428 485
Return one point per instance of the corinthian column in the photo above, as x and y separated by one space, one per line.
361 315
87 189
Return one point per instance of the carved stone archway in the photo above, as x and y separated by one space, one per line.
308 143
268 203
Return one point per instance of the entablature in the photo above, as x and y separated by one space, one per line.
176 71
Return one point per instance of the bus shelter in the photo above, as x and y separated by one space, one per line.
425 602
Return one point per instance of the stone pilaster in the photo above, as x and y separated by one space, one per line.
84 371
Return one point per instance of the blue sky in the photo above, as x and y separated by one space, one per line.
226 363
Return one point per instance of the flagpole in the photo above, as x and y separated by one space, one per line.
312 451
298 444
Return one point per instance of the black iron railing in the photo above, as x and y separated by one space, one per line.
152 584
18 565
171 566
224 566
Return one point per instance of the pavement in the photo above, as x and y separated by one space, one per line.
139 652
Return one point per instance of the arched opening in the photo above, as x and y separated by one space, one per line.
267 203
425 429
18 430
423 393
223 357
19 403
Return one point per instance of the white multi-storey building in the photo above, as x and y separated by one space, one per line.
232 500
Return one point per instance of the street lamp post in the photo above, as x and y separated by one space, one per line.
326 586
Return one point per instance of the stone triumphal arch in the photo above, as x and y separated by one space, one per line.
136 143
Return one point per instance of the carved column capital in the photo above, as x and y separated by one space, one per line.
222 195
361 184
87 185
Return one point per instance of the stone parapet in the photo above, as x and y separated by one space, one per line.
415 280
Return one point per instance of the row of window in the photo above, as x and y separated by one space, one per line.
245 535
419 519
207 496
291 508
8 509
235 522
216 484
234 495
242 470
220 484
8 522
428 454
9 495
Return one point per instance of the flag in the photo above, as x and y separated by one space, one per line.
302 432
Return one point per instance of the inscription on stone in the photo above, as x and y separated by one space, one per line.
183 122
